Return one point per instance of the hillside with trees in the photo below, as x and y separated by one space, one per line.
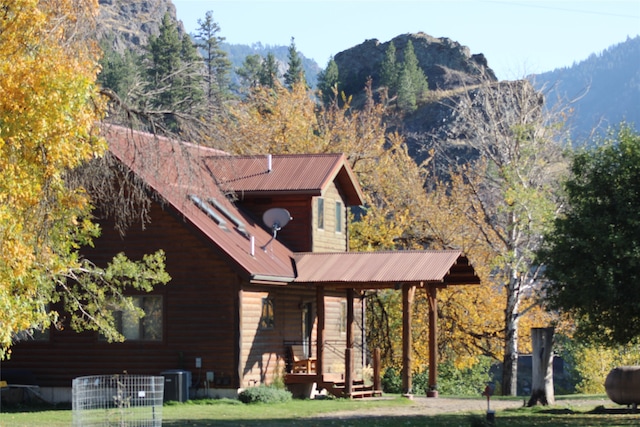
603 90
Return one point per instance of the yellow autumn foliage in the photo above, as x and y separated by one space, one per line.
48 108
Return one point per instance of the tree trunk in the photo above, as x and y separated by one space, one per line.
542 367
510 361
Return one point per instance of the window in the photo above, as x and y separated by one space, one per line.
338 217
267 316
147 328
342 326
320 213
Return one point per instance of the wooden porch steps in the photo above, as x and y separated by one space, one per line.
358 390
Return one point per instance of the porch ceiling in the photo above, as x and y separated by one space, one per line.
375 270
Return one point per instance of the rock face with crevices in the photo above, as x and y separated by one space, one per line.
129 23
446 63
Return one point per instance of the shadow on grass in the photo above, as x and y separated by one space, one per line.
13 408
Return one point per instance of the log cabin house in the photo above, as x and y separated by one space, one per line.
248 303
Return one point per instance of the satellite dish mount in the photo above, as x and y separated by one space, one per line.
275 219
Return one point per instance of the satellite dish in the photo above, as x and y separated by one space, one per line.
276 218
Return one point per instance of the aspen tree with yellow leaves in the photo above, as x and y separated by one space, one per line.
49 108
498 207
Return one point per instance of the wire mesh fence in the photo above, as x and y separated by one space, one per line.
117 401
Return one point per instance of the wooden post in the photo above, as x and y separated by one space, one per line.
542 367
377 378
320 332
348 355
432 293
408 292
348 372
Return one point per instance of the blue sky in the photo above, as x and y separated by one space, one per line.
516 37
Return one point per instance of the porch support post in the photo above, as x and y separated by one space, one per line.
432 293
348 355
408 292
320 331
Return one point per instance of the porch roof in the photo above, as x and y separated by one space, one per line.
384 269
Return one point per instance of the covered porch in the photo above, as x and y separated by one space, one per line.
356 272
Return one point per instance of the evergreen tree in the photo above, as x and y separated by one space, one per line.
389 70
328 81
118 72
269 72
406 96
412 83
250 71
295 72
164 53
216 60
415 73
175 86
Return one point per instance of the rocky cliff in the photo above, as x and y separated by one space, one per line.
129 23
446 63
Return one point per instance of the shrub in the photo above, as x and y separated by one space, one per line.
391 381
264 394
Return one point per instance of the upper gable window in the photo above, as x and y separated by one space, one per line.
320 213
338 217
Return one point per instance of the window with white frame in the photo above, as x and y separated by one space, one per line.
338 217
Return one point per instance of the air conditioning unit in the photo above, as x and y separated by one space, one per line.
176 385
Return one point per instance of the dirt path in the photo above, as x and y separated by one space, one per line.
424 406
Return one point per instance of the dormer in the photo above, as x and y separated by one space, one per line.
316 189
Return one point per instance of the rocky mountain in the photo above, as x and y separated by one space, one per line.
129 23
446 63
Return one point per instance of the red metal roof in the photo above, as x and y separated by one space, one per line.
286 174
385 268
186 176
174 171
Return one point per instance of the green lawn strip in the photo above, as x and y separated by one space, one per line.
567 412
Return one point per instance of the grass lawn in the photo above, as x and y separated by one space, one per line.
297 413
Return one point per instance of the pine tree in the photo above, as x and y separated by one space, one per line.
295 72
415 74
407 100
216 60
328 81
389 70
174 70
269 72
250 71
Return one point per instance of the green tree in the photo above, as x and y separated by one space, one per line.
269 76
49 108
215 58
328 80
120 72
295 72
593 252
175 82
390 69
249 72
412 83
